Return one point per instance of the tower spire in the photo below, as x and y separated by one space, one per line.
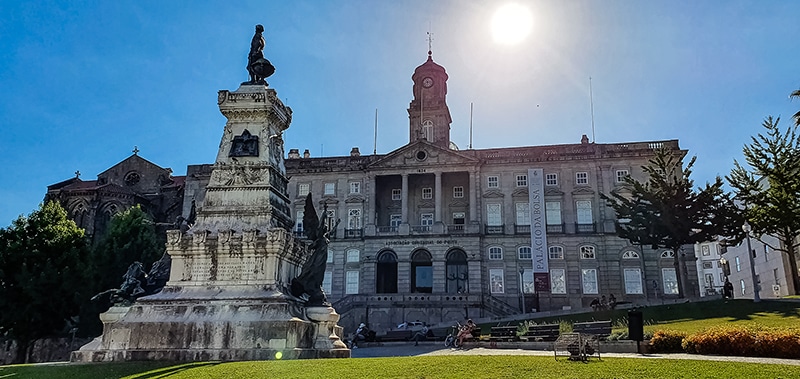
430 40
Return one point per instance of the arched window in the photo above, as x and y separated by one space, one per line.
556 252
427 130
524 252
456 272
421 272
386 273
587 252
495 253
630 254
668 254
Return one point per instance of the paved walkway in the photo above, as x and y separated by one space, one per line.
407 349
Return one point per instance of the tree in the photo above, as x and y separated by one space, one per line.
131 237
666 211
796 94
44 265
769 188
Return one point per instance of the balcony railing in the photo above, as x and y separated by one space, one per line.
494 229
421 228
585 228
353 233
456 229
387 229
556 229
522 229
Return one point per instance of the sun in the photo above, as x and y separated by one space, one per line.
511 23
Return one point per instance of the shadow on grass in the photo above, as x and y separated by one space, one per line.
171 370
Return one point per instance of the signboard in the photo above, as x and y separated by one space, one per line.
541 270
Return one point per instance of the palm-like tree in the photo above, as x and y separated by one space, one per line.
796 94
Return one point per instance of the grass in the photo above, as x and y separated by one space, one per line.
495 366
697 316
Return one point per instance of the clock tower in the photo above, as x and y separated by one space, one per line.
428 114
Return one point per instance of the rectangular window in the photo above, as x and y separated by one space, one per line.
709 283
298 226
330 189
351 282
331 220
395 220
584 212
396 194
708 265
670 281
354 218
743 286
426 219
551 179
633 281
459 218
527 281
522 180
330 256
493 182
494 215
496 280
352 256
327 282
355 187
523 214
621 175
705 250
495 253
775 275
458 192
589 281
427 193
558 281
582 178
738 264
303 189
553 212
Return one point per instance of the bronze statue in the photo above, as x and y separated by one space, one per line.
309 282
137 283
258 67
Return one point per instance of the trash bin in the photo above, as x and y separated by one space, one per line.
635 325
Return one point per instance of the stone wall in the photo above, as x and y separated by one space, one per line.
44 350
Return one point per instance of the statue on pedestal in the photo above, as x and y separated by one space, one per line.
309 282
258 67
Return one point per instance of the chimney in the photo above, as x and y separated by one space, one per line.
354 152
294 154
584 139
306 154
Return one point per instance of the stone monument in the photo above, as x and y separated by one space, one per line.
228 296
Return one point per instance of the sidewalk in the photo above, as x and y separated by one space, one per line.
407 349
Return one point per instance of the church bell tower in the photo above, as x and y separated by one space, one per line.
428 114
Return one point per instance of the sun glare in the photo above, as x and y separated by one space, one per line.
511 23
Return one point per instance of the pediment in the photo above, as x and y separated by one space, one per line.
553 191
493 194
520 192
329 201
459 203
583 191
355 199
422 154
622 190
427 204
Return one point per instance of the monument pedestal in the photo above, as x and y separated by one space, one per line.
227 297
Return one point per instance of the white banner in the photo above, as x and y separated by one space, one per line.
541 271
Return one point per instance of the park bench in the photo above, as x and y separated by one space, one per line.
503 333
600 329
576 346
543 332
397 335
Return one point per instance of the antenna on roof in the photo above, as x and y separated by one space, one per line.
375 142
591 106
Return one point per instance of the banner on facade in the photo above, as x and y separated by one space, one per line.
541 271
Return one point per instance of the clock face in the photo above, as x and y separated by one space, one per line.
427 82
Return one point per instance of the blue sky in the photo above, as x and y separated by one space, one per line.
85 81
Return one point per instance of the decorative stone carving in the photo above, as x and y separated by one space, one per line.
174 236
245 145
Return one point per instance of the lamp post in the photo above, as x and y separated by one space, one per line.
522 287
746 228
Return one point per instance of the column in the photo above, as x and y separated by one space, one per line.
473 198
437 193
370 214
404 199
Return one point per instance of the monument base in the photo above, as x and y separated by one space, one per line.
221 330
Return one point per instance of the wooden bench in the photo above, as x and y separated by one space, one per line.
397 335
503 333
543 332
601 329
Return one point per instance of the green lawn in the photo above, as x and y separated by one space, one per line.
416 367
697 316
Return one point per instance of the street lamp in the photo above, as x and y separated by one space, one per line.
746 228
522 287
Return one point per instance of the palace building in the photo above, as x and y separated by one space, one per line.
432 233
